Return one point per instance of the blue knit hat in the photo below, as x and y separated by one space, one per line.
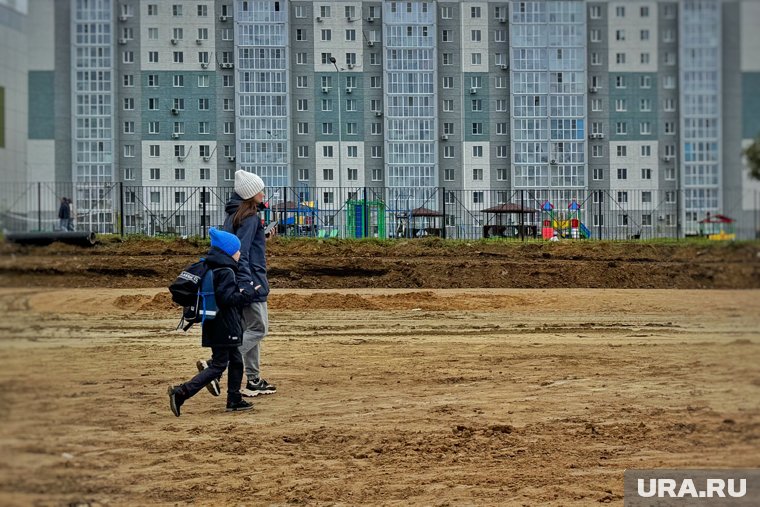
226 242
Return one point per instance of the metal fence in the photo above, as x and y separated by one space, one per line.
378 212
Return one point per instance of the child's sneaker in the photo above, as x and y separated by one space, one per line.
176 399
256 387
237 406
213 387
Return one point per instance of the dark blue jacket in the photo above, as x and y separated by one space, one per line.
226 329
253 264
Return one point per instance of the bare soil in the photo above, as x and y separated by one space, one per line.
428 263
385 396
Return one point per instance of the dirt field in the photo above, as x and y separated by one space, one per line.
393 397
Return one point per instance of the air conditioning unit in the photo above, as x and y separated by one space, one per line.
199 41
444 137
180 159
504 67
226 65
123 17
204 65
502 20
349 90
378 113
370 19
231 158
473 90
370 43
223 18
600 136
350 18
174 42
350 66
206 158
319 19
553 162
123 41
667 158
325 89
175 111
175 135
593 89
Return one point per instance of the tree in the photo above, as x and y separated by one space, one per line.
752 152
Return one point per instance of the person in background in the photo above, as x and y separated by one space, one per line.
64 214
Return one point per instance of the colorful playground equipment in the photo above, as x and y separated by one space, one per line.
361 226
717 227
568 226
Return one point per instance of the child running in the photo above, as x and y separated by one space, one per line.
224 333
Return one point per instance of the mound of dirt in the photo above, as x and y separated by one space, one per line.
427 263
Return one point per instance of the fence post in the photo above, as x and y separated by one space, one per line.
443 211
599 222
678 214
204 225
39 206
365 217
522 215
284 210
121 207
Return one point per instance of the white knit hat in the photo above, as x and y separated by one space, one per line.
248 184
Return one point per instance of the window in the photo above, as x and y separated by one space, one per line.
670 197
152 9
448 58
203 57
501 129
300 35
645 128
176 10
622 196
500 36
669 105
501 105
155 197
179 197
477 174
477 128
203 10
644 58
327 174
595 12
621 105
668 36
352 151
448 82
204 150
477 104
448 175
596 58
179 104
477 151
620 81
502 174
155 173
324 11
646 174
229 127
448 151
595 35
670 58
153 127
476 58
596 105
646 197
228 104
669 82
152 33
446 12
375 81
128 57
303 151
620 11
474 12
353 174
446 36
448 128
645 82
303 127
302 105
129 150
670 173
327 151
328 197
620 35
376 152
622 220
477 197
351 129
302 82
203 104
326 34
350 11
669 11
597 151
622 173
646 150
350 35
620 58
205 174
670 127
327 128
598 174
203 127
377 174
622 151
129 80
129 173
621 128
501 151
644 12
644 35
302 58
475 35
598 219
376 128
227 34
129 103
178 34
326 58
303 175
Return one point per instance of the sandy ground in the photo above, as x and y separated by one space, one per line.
393 397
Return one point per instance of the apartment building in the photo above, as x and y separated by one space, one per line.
638 110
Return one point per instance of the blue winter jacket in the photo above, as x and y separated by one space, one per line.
253 264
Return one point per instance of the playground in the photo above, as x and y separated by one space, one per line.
426 397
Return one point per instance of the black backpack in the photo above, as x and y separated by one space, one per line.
193 290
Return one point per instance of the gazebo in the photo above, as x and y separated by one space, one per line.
717 227
428 216
509 230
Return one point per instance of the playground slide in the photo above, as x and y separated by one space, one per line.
584 231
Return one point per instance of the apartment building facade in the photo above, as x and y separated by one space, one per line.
638 107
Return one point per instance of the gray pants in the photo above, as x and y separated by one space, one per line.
256 321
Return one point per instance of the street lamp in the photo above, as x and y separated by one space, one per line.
340 126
